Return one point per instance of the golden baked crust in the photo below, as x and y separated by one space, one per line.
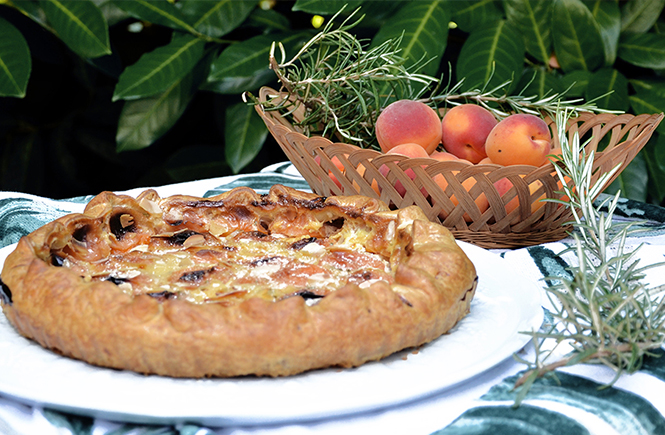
59 288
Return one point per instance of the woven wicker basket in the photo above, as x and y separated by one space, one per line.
506 222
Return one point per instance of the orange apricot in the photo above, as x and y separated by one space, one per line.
411 150
481 200
338 164
408 121
520 139
375 185
486 161
442 156
464 130
504 185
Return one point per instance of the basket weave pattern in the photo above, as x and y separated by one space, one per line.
532 222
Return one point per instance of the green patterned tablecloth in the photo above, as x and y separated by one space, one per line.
574 403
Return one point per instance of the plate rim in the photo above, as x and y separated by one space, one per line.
517 342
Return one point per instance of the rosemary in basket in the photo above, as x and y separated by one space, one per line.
603 310
341 84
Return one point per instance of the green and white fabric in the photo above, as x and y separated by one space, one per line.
576 402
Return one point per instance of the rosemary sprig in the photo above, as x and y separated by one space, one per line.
602 310
341 84
501 104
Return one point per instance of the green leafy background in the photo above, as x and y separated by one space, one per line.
114 94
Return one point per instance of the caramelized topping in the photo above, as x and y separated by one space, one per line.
225 251
120 224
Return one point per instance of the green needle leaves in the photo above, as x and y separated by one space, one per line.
604 311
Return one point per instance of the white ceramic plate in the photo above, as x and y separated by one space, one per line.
505 304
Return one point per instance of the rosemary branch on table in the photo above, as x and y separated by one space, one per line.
603 310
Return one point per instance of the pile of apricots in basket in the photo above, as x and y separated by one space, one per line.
468 133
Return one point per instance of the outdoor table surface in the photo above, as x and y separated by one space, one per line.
576 402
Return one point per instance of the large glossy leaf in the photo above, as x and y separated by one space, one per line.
80 24
533 19
111 12
654 155
156 71
648 102
608 16
539 81
423 26
613 85
645 50
577 40
637 16
268 20
632 181
244 66
656 86
32 10
144 121
491 55
160 12
216 18
376 13
474 14
575 83
325 7
15 62
659 27
244 135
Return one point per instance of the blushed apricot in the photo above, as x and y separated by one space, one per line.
486 161
520 139
411 150
481 200
338 164
504 185
408 121
374 184
442 156
464 130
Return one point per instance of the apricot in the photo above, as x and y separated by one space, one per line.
486 161
504 185
374 184
555 154
464 130
338 164
412 150
443 156
519 139
560 190
481 201
408 121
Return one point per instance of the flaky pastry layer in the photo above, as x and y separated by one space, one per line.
246 284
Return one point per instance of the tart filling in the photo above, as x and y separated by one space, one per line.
236 284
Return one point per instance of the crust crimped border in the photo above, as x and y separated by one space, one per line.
94 322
